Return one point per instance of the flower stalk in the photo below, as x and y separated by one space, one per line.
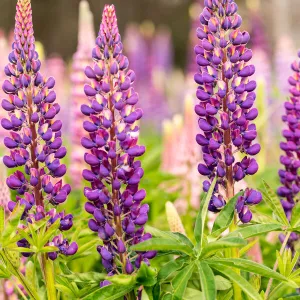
34 141
114 198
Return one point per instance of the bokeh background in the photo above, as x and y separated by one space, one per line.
159 37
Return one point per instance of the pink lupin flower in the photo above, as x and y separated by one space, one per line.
5 196
4 51
82 58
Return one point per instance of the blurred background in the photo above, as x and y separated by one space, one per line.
159 37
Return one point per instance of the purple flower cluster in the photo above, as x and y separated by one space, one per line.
227 97
289 175
35 136
114 198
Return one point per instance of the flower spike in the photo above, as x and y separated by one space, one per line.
34 141
114 198
226 105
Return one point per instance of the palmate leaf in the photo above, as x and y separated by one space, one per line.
274 203
247 265
255 230
247 288
225 217
179 283
207 280
163 244
224 243
200 221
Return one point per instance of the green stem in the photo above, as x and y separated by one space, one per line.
16 272
237 292
47 268
276 263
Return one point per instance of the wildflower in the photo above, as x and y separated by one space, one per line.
34 142
114 198
226 95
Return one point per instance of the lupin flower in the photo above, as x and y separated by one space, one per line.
225 110
289 175
82 58
34 142
114 198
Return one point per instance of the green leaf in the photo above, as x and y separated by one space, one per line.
225 217
122 280
162 244
110 292
47 249
224 243
247 265
222 284
295 220
207 280
169 268
180 281
200 221
192 294
162 234
274 203
255 230
49 233
90 277
12 223
247 288
146 276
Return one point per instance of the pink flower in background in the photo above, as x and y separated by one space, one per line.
56 67
180 154
4 51
4 190
82 58
151 54
285 53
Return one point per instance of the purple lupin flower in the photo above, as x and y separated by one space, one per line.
82 58
225 110
114 198
34 141
289 175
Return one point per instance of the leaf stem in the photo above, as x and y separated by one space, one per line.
48 274
276 263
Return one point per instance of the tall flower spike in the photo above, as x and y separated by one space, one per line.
34 141
114 199
82 58
225 110
289 175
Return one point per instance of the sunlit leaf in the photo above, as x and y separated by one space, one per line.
225 217
224 243
162 244
180 281
247 288
207 280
